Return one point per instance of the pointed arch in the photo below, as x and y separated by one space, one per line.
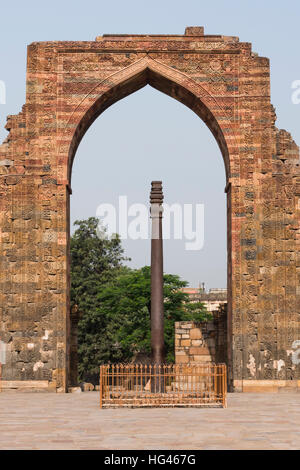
148 71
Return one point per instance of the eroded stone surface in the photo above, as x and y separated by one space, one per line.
198 342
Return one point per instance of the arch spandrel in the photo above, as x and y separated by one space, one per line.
148 71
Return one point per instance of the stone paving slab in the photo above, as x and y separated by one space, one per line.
75 421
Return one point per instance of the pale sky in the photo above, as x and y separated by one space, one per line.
149 135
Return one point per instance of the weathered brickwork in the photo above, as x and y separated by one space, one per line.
69 84
198 342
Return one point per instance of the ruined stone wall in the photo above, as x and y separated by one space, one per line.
198 342
69 84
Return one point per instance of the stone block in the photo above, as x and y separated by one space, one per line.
202 358
199 351
180 359
195 333
74 390
87 387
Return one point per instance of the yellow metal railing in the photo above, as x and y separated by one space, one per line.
143 385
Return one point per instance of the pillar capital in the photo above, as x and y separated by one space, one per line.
156 194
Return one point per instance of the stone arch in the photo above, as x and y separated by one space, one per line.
68 85
148 71
165 79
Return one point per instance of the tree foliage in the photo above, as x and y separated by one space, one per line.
114 302
95 260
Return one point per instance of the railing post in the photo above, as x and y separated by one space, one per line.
101 385
225 386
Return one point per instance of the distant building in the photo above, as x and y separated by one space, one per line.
206 341
214 300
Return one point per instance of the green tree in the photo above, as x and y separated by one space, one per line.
95 261
125 305
114 302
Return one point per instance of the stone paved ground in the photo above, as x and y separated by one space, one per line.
74 421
